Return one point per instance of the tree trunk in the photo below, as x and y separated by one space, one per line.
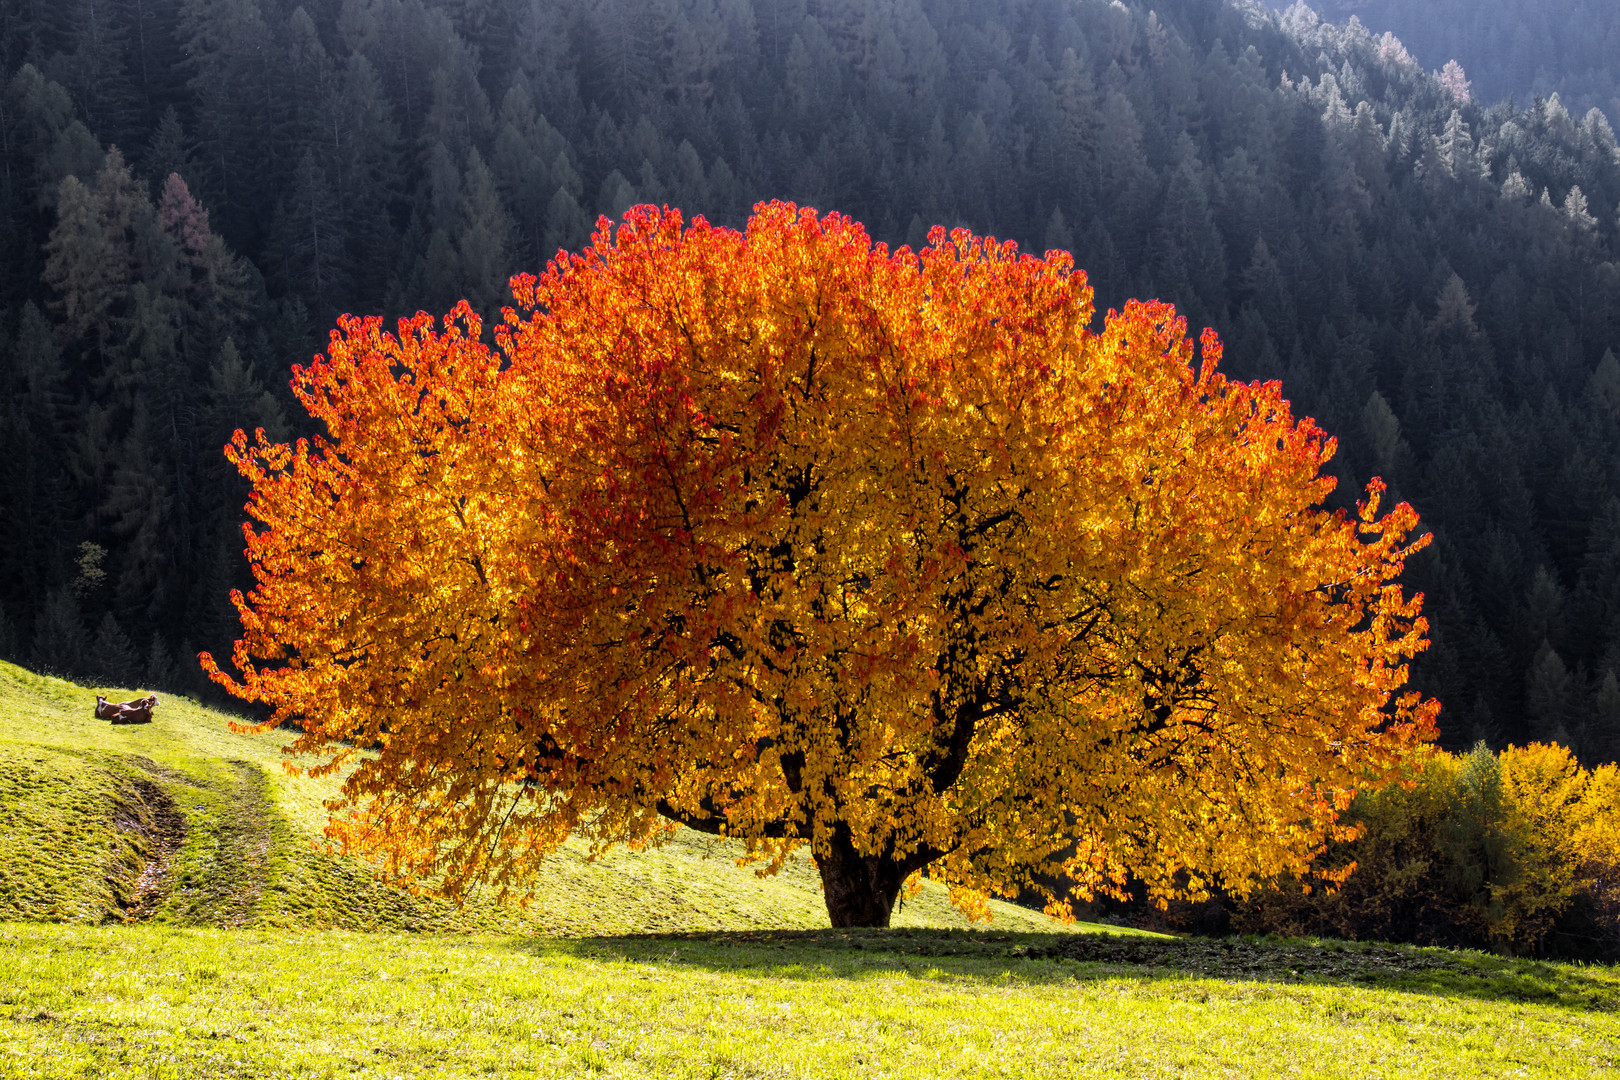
860 890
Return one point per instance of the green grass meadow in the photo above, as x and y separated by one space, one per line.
166 911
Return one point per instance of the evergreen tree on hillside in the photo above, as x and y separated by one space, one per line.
1523 48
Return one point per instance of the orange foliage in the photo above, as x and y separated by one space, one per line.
792 538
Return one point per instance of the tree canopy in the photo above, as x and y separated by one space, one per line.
787 537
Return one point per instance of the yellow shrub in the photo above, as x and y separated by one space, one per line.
1519 851
1544 793
1597 837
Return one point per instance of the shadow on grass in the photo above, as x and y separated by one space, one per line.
988 955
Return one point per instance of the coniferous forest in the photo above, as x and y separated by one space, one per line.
1511 47
192 190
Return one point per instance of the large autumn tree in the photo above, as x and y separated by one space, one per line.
786 537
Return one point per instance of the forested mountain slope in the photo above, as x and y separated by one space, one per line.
1508 47
1433 280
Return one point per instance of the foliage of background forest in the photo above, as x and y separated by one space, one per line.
1513 47
1432 276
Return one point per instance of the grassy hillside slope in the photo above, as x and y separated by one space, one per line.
181 821
163 913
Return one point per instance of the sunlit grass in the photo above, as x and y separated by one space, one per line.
268 957
184 1002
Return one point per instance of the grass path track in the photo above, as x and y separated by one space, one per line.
152 815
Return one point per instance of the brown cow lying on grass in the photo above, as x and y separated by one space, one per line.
138 711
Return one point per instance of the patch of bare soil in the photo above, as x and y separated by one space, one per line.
155 829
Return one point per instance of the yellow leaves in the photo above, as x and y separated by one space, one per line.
1546 782
1508 840
1573 813
1597 835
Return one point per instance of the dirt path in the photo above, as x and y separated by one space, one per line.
205 858
159 830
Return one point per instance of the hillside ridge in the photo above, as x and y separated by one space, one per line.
183 822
